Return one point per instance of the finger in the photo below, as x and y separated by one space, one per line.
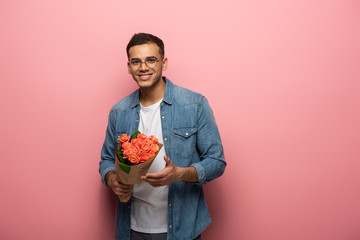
118 189
156 183
121 188
163 173
120 185
123 196
125 185
155 176
122 191
154 180
167 160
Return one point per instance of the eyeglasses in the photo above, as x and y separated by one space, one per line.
136 63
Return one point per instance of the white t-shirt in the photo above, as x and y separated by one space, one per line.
149 209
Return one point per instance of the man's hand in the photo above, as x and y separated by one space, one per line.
171 173
120 189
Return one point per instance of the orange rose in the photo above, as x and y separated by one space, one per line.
135 149
155 148
152 154
136 142
134 159
144 157
145 147
154 139
138 150
126 145
124 138
141 136
147 141
127 152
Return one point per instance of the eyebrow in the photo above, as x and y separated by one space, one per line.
145 58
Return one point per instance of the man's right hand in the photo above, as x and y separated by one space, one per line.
120 189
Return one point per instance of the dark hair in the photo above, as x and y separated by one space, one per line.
144 38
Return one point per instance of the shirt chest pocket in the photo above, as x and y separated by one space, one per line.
184 141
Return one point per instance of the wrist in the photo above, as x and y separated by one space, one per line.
187 174
108 175
179 174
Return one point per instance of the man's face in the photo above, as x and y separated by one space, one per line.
145 76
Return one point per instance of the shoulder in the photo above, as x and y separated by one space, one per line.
126 103
184 96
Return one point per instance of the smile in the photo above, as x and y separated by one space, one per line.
145 77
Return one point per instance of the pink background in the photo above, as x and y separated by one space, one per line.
282 78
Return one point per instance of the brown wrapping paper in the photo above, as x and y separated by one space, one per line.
136 171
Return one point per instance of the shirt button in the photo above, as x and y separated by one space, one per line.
163 117
137 120
187 134
169 204
170 226
165 139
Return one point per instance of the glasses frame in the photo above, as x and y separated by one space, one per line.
141 62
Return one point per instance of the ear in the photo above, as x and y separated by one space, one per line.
164 64
129 69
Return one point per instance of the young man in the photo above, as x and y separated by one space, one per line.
169 202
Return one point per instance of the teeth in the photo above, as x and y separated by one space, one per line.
144 77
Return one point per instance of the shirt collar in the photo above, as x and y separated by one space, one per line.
169 92
168 95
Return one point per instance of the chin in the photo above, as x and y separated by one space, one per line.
146 84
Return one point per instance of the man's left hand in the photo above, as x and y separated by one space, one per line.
166 176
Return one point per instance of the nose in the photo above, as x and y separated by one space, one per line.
143 66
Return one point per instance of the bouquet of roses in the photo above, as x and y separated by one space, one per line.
134 155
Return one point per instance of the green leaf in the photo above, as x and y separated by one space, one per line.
134 135
126 168
120 155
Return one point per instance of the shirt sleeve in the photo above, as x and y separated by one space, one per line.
212 162
107 162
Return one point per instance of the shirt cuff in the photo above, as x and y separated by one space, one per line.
200 172
104 172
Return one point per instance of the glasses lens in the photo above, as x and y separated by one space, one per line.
151 62
135 64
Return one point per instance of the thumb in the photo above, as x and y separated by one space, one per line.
167 160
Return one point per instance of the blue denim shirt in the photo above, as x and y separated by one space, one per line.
191 138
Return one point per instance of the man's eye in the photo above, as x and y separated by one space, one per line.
151 60
135 62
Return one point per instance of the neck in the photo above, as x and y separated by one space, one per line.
149 96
